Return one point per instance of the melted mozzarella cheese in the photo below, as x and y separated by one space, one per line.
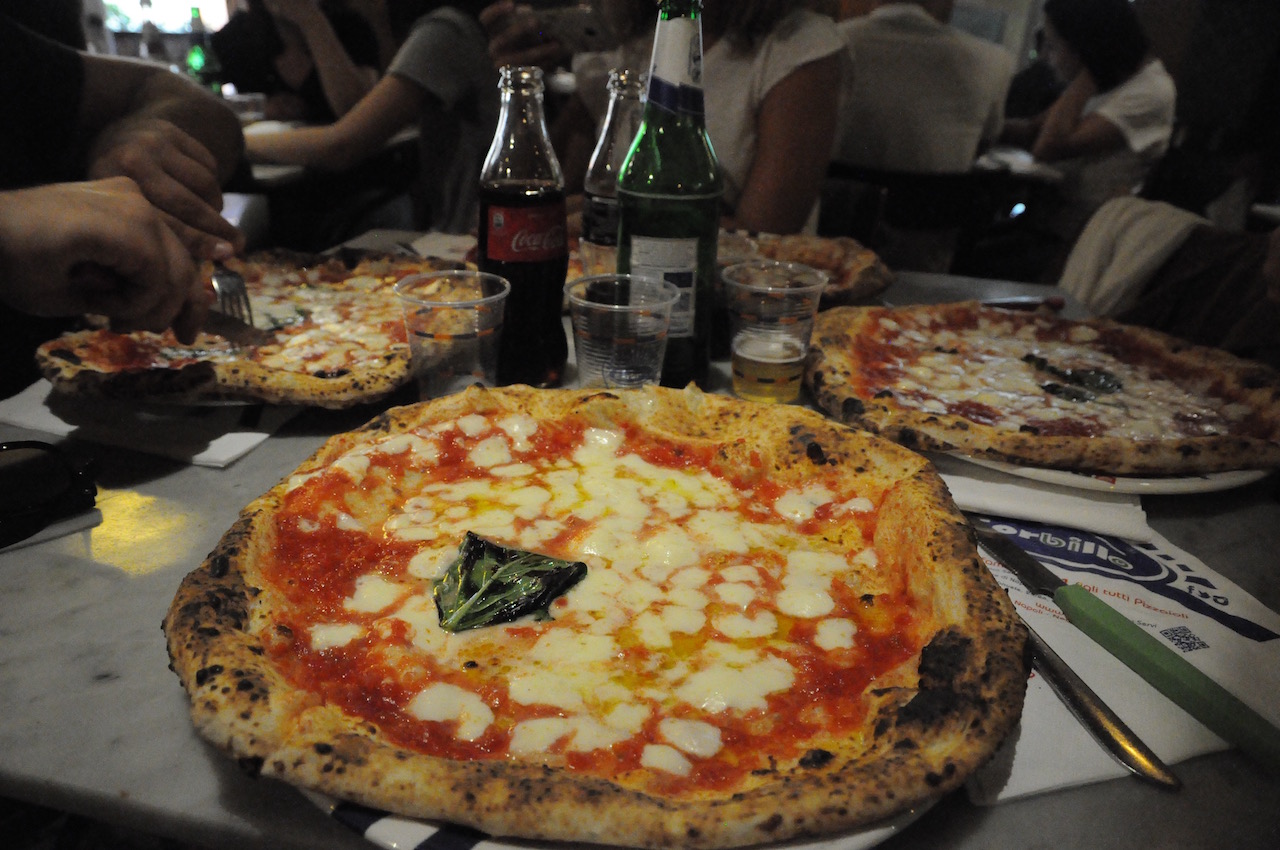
443 702
373 594
691 736
647 533
985 365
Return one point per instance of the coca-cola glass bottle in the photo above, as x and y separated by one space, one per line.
669 192
522 233
598 247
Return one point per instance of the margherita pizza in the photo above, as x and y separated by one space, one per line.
335 338
855 272
1030 388
653 618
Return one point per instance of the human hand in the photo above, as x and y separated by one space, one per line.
176 173
100 247
515 36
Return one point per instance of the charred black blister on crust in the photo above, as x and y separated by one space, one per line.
69 356
816 758
852 407
815 453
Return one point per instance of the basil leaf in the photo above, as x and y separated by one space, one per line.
489 584
1092 381
1068 392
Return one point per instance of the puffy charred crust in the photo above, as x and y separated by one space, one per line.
931 726
832 361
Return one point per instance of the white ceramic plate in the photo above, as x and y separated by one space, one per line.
393 832
1163 486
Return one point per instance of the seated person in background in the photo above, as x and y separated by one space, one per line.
95 117
771 75
442 78
1152 264
314 59
1111 123
925 97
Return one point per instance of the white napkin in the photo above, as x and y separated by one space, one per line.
1215 625
206 436
988 491
448 246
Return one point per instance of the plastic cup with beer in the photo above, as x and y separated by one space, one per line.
454 322
620 324
772 305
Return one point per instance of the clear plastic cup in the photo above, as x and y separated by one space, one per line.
772 305
454 322
620 324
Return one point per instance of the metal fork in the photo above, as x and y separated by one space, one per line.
233 296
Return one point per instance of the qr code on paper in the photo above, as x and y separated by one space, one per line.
1184 639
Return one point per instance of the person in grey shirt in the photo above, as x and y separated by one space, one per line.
442 78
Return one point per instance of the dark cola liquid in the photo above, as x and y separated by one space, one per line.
522 238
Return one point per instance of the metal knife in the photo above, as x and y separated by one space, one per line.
1096 716
236 331
1169 673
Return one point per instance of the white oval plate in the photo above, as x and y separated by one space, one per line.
1208 482
393 832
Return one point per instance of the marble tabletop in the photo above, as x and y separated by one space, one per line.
92 721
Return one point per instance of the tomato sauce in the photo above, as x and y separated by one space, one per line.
317 562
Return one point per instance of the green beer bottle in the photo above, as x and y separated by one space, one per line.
669 191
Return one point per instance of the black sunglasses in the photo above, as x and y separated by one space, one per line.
39 485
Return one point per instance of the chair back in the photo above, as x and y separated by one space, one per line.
876 206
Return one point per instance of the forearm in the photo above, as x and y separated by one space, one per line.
162 95
1057 136
392 105
343 81
796 129
308 146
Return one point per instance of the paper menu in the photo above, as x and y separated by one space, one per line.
1217 627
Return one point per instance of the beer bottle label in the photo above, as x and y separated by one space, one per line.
675 75
527 234
675 261
600 220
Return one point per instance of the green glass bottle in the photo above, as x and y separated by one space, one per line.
669 191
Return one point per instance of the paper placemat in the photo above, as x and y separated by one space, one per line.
988 491
1216 626
213 436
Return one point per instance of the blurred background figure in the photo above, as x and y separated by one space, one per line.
1112 122
441 79
771 74
924 100
314 59
925 97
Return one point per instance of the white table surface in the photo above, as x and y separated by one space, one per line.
92 721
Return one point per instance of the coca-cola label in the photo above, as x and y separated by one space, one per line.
527 234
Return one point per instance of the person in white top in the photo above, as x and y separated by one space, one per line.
1113 121
771 75
925 97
